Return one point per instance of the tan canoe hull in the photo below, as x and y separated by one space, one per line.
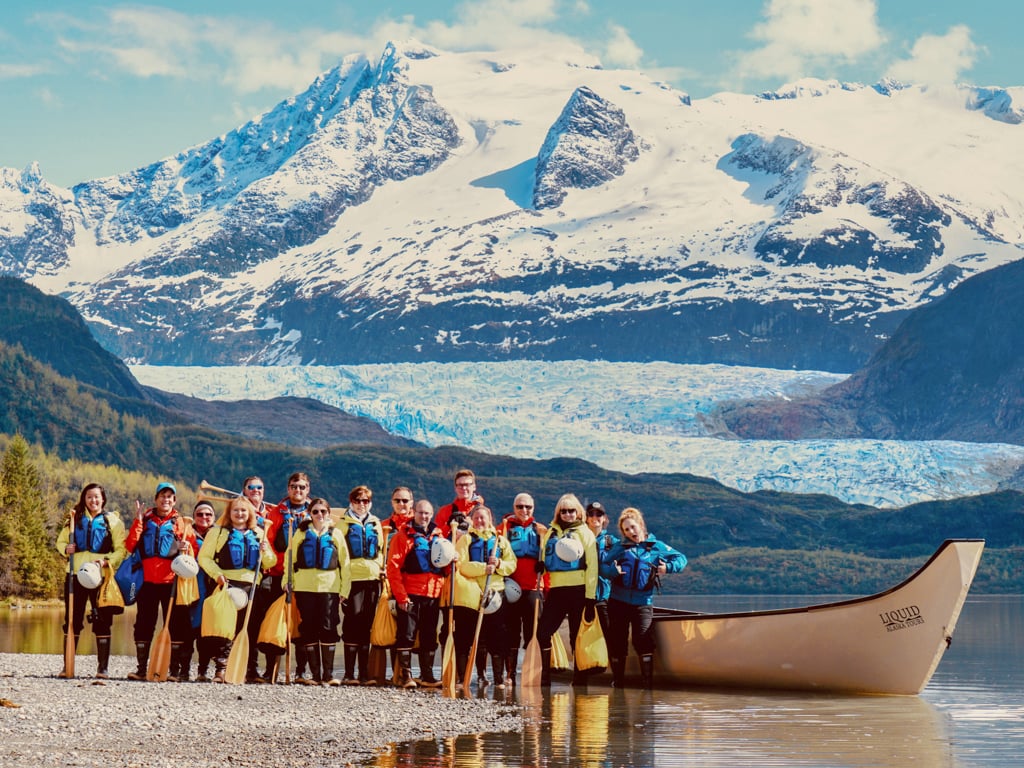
889 643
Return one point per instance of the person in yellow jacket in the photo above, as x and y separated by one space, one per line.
364 537
234 552
484 558
322 584
92 535
569 556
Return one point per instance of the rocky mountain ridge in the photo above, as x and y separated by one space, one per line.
440 206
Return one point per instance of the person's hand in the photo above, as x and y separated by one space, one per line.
589 609
406 606
538 566
140 511
222 580
662 569
490 568
69 549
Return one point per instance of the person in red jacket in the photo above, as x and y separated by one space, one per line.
162 535
282 522
466 498
416 584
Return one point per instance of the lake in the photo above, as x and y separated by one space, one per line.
971 714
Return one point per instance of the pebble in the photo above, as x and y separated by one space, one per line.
118 723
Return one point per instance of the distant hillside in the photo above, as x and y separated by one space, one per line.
953 370
52 333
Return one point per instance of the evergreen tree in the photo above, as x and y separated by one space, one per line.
29 566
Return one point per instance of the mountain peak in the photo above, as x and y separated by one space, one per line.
589 144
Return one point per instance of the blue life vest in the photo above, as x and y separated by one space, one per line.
554 563
240 550
159 539
362 540
639 566
317 550
481 549
93 534
525 540
418 558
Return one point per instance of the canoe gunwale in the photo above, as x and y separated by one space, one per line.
674 614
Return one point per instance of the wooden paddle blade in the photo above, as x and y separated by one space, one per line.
160 656
530 676
238 659
448 666
377 664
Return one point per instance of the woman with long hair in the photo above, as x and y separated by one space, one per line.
233 554
570 559
91 535
634 566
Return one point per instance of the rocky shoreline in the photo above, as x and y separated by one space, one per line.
116 723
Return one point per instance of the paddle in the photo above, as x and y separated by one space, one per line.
377 665
530 677
471 661
288 606
448 655
69 605
160 656
238 659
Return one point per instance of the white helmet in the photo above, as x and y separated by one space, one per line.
238 597
442 552
90 576
492 601
185 566
512 590
568 549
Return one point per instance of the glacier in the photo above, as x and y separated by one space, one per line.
629 417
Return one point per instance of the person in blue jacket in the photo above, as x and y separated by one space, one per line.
634 567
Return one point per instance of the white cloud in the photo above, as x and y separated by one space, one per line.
17 71
620 50
801 38
250 55
938 59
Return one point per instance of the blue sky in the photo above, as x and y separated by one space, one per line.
94 89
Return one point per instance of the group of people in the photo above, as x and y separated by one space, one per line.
490 581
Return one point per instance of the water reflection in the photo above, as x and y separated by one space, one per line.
38 630
601 727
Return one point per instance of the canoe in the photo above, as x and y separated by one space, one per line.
888 643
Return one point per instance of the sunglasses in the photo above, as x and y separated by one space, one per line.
595 513
568 511
524 506
361 501
402 501
254 487
319 511
204 514
299 486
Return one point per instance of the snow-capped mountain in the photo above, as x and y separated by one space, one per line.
484 206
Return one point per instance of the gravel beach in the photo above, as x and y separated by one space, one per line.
47 721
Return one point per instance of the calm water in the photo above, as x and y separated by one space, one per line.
971 714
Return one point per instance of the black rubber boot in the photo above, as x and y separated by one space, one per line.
511 661
300 665
647 670
184 654
350 665
618 672
481 668
327 665
102 657
461 660
498 669
142 657
312 653
172 667
545 667
405 668
363 660
427 679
